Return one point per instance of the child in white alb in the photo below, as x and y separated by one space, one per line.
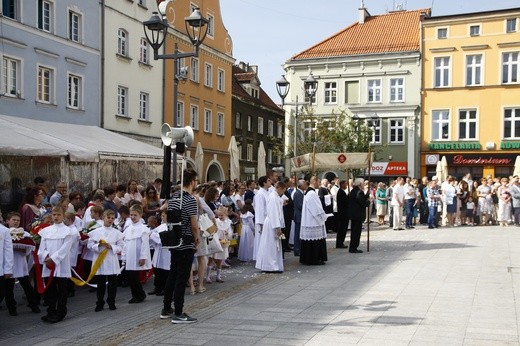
136 253
224 233
161 260
106 237
470 211
247 238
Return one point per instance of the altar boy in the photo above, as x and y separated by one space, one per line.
54 254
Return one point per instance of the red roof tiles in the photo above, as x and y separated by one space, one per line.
391 32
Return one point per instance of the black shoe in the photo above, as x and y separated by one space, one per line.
35 309
412 226
13 312
54 319
401 229
320 263
152 292
166 313
135 300
356 251
183 319
160 293
112 306
98 308
341 247
431 227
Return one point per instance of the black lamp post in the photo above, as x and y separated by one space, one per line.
155 30
310 86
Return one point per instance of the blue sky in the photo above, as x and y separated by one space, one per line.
268 32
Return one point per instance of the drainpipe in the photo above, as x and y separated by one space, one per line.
102 69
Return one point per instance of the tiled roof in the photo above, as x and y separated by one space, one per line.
391 32
240 77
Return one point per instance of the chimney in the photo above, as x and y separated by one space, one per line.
363 13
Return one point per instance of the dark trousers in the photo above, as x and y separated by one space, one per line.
355 234
160 277
132 277
341 229
7 292
180 269
28 289
391 216
516 215
423 211
56 296
409 212
297 242
432 216
101 281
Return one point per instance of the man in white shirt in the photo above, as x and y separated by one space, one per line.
398 203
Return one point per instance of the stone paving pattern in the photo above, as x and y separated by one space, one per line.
448 286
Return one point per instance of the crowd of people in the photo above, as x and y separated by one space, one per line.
114 237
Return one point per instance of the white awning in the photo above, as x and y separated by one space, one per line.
325 161
27 137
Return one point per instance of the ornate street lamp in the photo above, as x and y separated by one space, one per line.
155 30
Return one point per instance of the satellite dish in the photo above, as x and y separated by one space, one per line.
170 135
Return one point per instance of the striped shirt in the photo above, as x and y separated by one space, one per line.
189 209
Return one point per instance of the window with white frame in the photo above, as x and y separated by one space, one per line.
270 128
374 90
442 33
208 75
261 125
45 84
280 130
474 69
309 128
220 124
510 67
331 92
122 101
396 128
238 120
144 56
194 75
11 9
440 125
474 30
207 120
74 91
75 26
511 25
11 77
397 90
211 25
442 71
194 117
45 15
221 80
375 127
269 155
250 123
144 99
179 65
249 153
180 114
512 123
122 42
467 124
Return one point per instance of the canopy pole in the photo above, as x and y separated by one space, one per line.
368 207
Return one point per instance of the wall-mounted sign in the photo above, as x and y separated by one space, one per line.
510 145
481 160
249 170
455 146
389 168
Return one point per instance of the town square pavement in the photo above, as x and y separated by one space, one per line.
446 286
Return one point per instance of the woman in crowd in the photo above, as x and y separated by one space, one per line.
463 195
211 198
485 202
381 203
32 208
504 203
450 197
132 193
151 202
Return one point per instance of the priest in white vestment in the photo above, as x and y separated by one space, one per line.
259 204
270 254
313 233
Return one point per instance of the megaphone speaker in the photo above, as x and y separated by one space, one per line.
166 135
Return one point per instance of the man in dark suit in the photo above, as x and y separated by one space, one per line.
342 215
288 214
357 211
326 203
298 205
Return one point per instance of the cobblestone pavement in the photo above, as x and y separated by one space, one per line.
447 286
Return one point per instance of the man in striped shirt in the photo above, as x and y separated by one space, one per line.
182 256
434 200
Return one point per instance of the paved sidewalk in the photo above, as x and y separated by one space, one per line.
448 286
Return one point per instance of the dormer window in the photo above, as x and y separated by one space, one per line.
255 93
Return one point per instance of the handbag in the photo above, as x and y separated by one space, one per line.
206 225
214 245
172 238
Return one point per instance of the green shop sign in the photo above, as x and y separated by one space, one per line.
510 145
455 146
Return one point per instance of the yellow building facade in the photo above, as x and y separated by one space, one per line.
204 97
471 93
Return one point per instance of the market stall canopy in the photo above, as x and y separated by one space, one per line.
83 143
326 161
